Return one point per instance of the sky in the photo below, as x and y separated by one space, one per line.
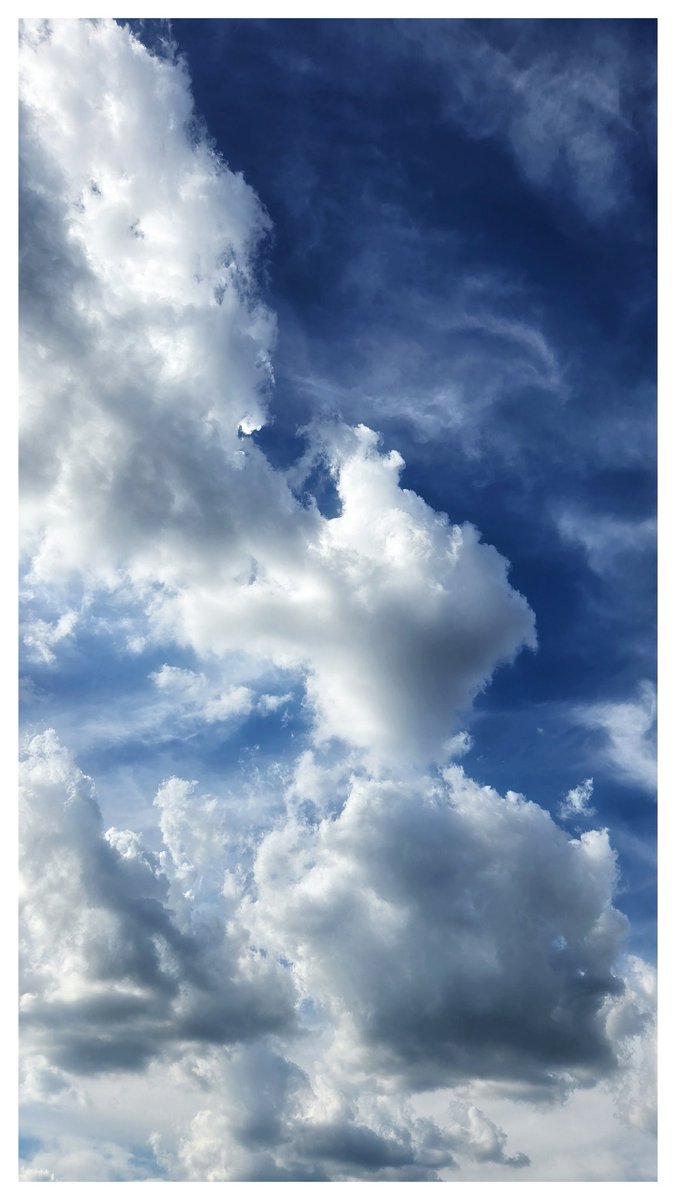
338 600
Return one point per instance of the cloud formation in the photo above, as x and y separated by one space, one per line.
396 928
39 637
568 116
608 542
495 931
629 733
394 616
576 802
112 974
185 968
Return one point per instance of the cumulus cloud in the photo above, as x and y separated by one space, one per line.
112 976
419 931
199 698
73 1159
193 688
629 735
292 1130
501 958
142 356
632 1023
495 931
155 360
398 616
132 955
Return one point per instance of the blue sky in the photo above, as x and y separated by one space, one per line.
247 620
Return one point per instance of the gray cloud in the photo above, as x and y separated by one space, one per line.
449 932
112 975
294 1128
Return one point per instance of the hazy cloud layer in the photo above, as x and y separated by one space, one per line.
568 117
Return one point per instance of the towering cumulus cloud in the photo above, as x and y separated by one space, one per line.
335 995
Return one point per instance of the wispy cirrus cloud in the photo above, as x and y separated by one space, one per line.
628 729
568 116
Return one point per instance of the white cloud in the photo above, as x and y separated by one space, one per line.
576 801
197 697
141 356
397 617
629 741
564 115
632 1024
152 360
419 932
200 698
40 636
607 540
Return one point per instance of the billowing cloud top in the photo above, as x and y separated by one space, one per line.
139 385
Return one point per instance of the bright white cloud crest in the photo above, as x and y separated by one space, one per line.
418 927
396 616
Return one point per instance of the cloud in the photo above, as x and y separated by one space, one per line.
607 541
438 348
141 356
629 735
392 930
292 1130
633 1025
164 967
576 801
112 975
200 699
568 115
40 636
495 931
207 702
395 617
72 1159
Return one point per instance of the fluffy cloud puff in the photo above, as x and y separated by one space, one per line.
450 933
397 616
143 352
139 383
132 956
576 802
422 959
112 974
